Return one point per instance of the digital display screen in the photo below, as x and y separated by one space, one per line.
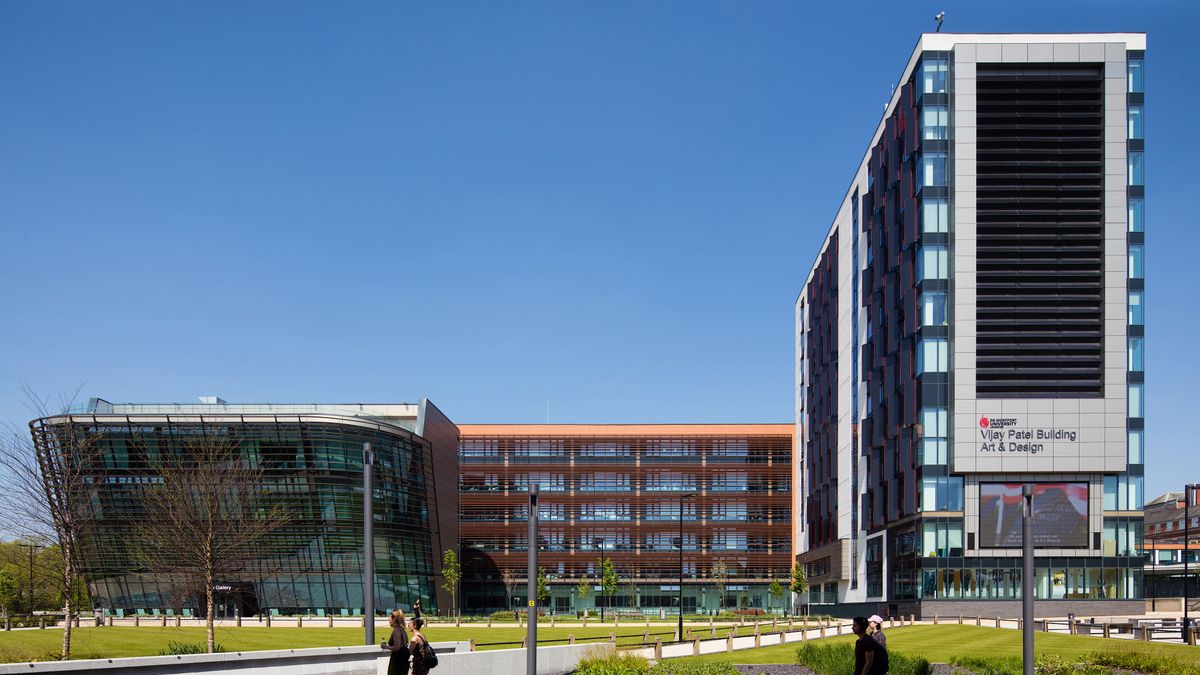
1060 515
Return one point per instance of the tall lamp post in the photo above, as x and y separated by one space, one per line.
32 549
686 495
1188 490
368 545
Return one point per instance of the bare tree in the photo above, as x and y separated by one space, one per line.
206 517
510 579
46 488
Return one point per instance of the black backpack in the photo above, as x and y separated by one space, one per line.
428 656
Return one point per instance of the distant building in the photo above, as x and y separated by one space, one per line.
616 492
1164 544
973 321
312 459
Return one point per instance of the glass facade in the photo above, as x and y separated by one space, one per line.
313 467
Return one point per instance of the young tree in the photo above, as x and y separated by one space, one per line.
775 589
207 517
46 487
543 586
510 579
451 572
609 581
584 588
799 584
719 576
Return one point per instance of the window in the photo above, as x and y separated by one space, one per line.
1122 493
935 215
1136 129
942 539
933 308
1137 310
935 121
933 356
1136 264
942 494
933 262
933 76
1137 214
1137 404
1135 70
933 169
934 433
1137 168
1137 448
1137 354
1122 536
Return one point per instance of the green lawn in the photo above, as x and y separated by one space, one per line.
118 641
940 644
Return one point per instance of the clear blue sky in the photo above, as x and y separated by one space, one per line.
610 205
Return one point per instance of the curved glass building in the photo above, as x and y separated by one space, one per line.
311 460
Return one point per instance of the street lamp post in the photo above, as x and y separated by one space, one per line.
686 495
368 545
32 549
1187 536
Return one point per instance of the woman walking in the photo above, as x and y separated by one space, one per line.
876 622
419 648
397 644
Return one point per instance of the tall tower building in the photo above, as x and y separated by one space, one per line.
973 322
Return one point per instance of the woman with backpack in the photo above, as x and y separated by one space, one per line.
423 657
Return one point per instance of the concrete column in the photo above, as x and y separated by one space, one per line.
472 644
658 650
645 637
757 640
729 643
935 619
696 647
571 639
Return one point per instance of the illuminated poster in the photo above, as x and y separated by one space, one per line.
1060 515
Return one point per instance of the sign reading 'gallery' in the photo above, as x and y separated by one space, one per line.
1006 434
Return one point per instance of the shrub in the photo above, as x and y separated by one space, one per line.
612 664
1142 663
839 660
184 648
989 666
750 612
504 615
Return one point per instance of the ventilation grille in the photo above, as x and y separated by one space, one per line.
1040 216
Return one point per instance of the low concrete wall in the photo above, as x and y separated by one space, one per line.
1011 609
453 657
551 660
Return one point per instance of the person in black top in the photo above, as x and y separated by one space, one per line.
870 657
397 644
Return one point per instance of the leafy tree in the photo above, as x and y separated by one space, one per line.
584 588
609 581
775 589
510 579
543 586
9 597
452 573
799 583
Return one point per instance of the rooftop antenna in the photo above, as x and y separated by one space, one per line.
940 17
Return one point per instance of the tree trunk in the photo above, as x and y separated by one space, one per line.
68 599
208 613
69 609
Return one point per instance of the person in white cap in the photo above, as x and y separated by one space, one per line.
876 622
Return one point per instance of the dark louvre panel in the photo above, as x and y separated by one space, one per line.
1040 249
